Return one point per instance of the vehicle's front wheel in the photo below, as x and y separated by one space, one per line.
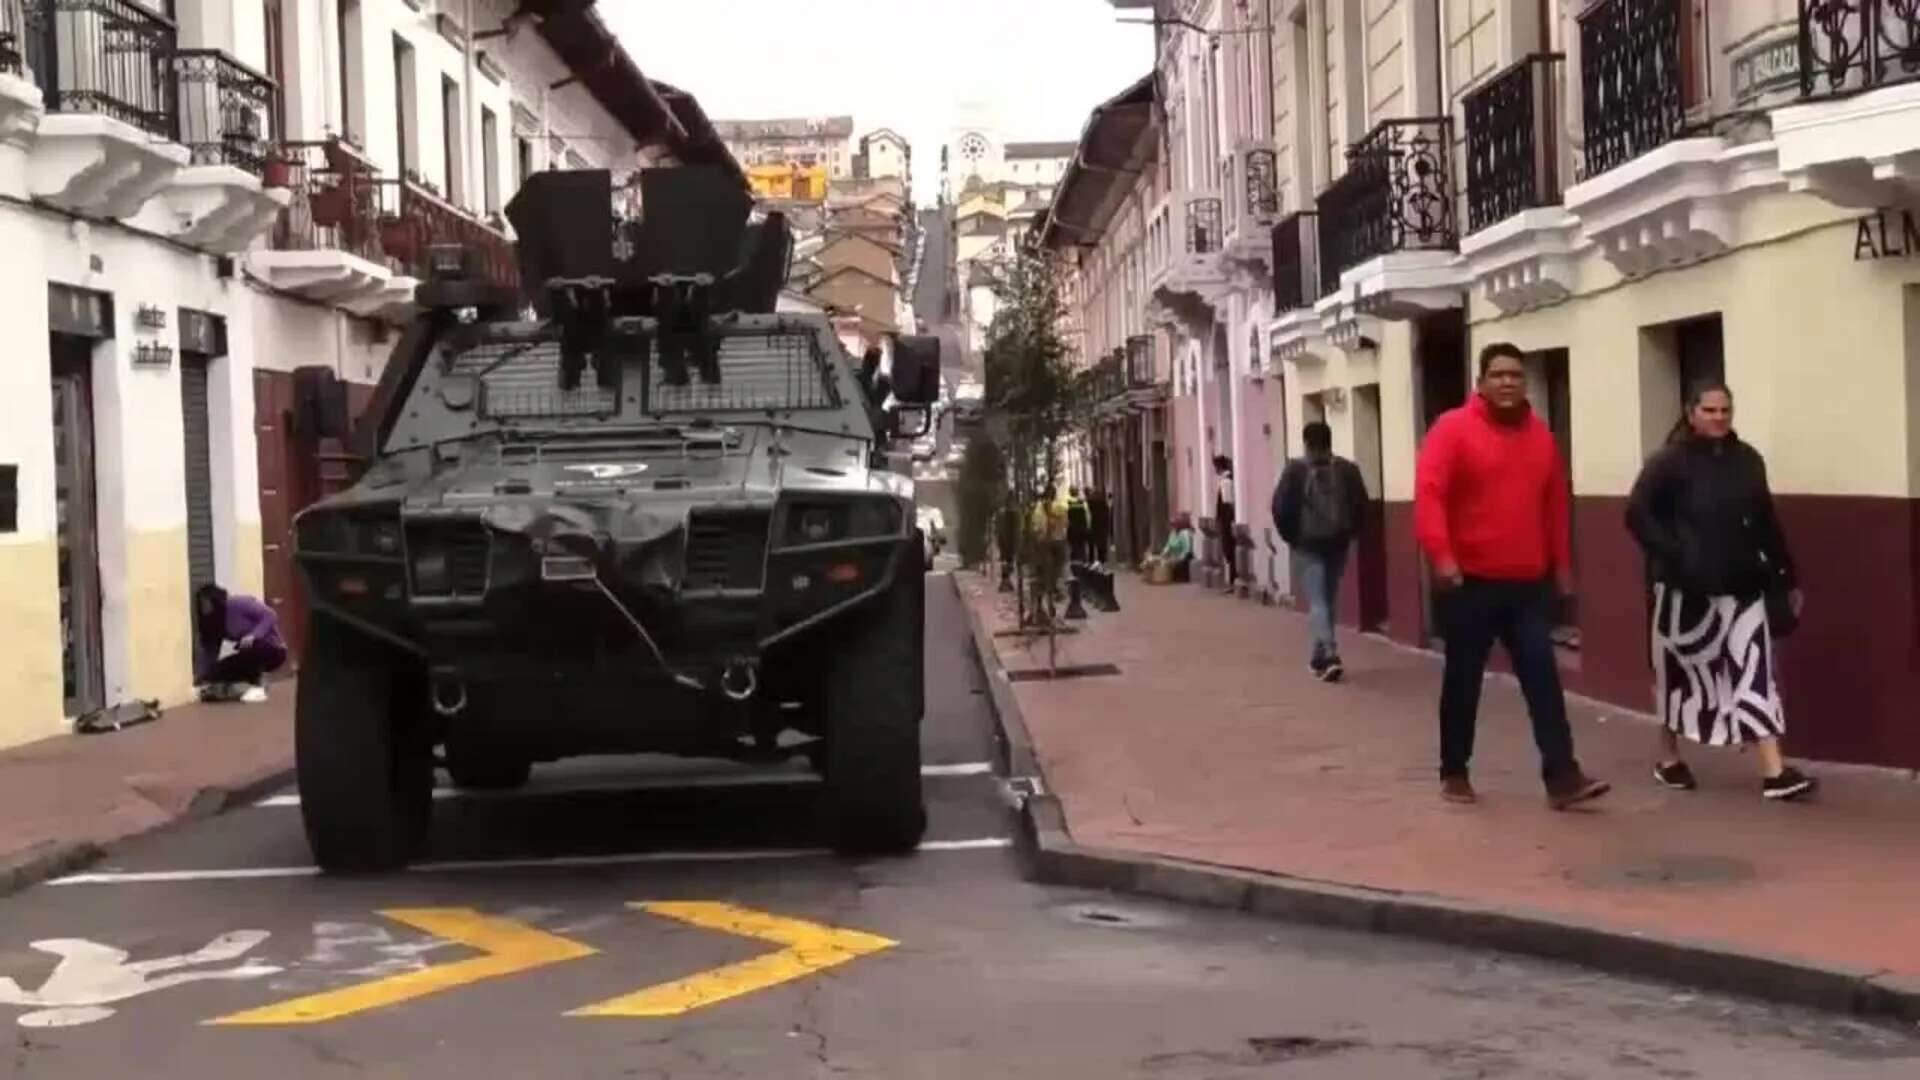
874 700
361 752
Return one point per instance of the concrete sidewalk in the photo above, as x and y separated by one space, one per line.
64 800
1214 747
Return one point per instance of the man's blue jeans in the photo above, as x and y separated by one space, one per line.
1320 578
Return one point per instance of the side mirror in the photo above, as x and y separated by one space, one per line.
910 421
916 369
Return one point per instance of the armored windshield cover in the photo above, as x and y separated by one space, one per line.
694 221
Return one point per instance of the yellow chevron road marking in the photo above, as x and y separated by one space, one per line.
809 947
506 947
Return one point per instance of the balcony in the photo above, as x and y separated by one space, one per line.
1855 138
354 238
105 145
1251 180
1387 227
225 118
1520 241
1186 237
326 244
1295 334
1655 196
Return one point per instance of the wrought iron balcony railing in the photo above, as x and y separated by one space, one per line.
1851 45
226 110
335 204
1206 226
1263 183
101 56
342 203
1140 366
414 220
1512 154
1397 195
1296 257
1632 87
13 37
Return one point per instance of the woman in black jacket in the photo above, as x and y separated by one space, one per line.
1703 514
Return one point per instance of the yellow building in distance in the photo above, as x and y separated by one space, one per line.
789 181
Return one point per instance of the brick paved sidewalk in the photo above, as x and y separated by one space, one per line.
1214 744
61 799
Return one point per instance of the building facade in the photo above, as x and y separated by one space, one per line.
1642 195
824 141
215 211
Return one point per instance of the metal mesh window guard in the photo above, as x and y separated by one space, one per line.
521 381
772 371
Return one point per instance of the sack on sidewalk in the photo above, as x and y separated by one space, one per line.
116 717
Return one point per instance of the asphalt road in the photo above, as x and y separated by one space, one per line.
945 964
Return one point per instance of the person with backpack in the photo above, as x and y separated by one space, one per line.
1317 508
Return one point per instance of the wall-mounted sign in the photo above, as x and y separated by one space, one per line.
152 354
84 312
1765 67
202 333
1887 234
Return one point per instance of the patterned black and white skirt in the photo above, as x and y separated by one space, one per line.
1713 668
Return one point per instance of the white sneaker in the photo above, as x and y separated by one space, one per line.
254 695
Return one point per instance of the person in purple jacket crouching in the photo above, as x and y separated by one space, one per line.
219 618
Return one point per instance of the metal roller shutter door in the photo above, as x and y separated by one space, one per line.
193 408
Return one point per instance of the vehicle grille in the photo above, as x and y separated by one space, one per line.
726 550
468 549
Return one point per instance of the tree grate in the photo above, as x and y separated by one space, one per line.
1073 671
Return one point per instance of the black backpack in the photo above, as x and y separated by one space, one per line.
1326 513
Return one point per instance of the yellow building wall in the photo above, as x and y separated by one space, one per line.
30 680
1815 347
159 617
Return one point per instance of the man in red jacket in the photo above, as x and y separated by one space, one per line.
1490 510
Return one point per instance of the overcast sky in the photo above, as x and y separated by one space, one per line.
1028 69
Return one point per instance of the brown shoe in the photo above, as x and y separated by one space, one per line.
1574 787
1457 789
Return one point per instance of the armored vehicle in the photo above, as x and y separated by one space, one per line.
626 508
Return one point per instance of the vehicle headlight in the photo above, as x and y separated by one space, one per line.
817 525
853 519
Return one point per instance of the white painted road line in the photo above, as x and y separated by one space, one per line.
652 783
167 877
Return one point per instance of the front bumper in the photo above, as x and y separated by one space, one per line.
508 605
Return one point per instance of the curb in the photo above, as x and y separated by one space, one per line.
1054 858
58 858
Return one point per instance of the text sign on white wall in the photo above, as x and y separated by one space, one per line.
1886 234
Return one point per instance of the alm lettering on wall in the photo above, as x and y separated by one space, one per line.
1877 237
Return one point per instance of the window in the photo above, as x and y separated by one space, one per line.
523 149
490 159
352 125
452 141
276 35
406 103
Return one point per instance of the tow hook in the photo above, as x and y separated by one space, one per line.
740 680
449 695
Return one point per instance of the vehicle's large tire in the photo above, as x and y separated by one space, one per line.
361 751
874 697
480 768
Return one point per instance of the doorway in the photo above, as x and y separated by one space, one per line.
1370 576
1441 383
77 523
